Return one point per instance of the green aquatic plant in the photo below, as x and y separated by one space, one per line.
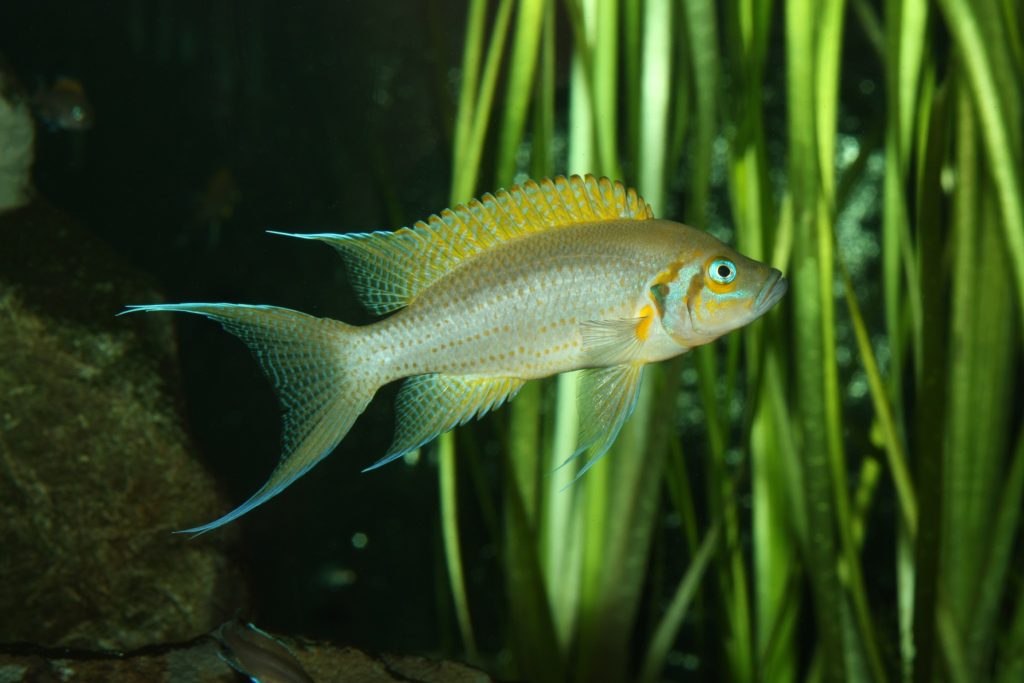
845 504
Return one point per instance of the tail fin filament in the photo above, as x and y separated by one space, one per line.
307 360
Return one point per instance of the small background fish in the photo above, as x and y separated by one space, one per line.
255 653
213 209
64 106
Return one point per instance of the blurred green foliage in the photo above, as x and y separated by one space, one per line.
843 502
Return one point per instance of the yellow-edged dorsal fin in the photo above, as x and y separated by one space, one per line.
389 269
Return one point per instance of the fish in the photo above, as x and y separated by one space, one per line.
213 210
219 198
546 277
255 653
64 106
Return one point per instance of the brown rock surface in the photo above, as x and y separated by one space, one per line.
96 469
17 139
197 661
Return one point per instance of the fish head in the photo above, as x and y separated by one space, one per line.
64 106
711 290
77 116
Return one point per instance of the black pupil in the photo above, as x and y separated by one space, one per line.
724 271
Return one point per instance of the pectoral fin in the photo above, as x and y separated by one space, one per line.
607 397
429 405
612 342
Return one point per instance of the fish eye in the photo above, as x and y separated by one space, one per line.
722 271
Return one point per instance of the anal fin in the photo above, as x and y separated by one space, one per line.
429 405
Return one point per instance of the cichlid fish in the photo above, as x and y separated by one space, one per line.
542 278
64 106
254 653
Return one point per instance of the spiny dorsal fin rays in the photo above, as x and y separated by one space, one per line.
607 397
380 257
429 405
389 269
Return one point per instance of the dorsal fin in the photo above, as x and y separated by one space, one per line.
389 269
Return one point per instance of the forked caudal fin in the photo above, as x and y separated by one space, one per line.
313 365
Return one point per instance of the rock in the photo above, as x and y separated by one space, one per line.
17 139
197 661
96 469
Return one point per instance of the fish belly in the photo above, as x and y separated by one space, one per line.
516 310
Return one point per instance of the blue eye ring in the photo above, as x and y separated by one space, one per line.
722 271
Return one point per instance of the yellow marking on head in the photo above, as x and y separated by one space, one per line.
669 274
643 328
713 307
696 285
662 281
718 287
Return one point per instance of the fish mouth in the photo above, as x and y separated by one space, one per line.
772 291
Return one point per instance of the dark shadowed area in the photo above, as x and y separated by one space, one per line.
215 122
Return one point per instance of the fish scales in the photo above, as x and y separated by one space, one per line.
516 310
543 278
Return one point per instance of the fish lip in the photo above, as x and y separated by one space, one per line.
772 291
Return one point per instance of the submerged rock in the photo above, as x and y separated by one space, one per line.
17 139
199 661
96 469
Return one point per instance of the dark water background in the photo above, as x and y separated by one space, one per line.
329 116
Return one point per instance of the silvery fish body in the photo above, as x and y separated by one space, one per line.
520 309
543 278
258 655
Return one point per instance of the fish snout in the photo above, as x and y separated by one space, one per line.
771 292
